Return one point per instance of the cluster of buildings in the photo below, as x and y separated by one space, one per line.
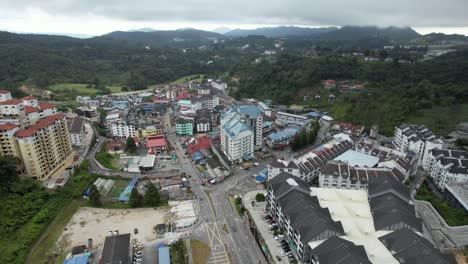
376 225
34 132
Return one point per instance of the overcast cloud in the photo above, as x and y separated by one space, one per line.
101 16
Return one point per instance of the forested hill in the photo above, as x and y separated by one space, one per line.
161 37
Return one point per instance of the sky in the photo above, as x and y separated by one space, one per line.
97 17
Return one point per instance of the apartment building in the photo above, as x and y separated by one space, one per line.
252 116
331 226
206 101
8 144
447 166
123 130
12 112
45 146
203 120
416 138
5 95
237 138
184 127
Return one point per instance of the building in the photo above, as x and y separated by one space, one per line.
123 130
206 101
184 127
77 131
237 138
156 144
5 95
45 146
116 249
323 225
87 112
307 166
164 256
329 84
218 84
416 138
8 144
349 128
456 194
252 116
202 89
12 112
203 120
446 166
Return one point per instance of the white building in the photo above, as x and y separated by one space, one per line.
77 131
220 85
237 139
122 130
207 101
5 95
252 116
447 166
418 139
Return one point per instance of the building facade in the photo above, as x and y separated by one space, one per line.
123 130
184 127
237 138
446 166
45 146
77 131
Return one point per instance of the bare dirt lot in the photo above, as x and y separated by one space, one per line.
95 223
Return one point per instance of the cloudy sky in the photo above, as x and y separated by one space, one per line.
95 17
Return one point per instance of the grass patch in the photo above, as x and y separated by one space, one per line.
238 205
179 252
194 78
452 216
46 248
107 160
225 229
115 88
211 201
440 119
233 206
119 186
200 251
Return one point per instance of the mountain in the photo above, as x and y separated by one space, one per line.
145 29
283 31
441 39
221 30
355 33
161 36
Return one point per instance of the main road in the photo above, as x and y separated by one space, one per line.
228 235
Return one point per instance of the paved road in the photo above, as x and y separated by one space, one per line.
237 243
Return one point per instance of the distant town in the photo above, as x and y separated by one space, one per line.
185 173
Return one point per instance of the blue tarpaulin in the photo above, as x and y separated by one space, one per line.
164 256
80 259
125 195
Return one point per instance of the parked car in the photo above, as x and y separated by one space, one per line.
278 237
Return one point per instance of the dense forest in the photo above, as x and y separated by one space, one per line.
394 89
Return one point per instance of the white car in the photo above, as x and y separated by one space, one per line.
279 237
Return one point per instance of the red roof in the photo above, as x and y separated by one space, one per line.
45 105
156 142
330 81
30 109
40 125
4 91
28 97
201 143
5 127
11 102
59 180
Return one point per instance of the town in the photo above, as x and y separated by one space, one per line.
187 170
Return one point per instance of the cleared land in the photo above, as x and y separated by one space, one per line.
200 251
107 160
95 223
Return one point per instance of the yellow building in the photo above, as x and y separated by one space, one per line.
45 146
152 131
8 145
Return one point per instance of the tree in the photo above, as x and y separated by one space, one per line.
95 196
260 197
136 200
152 197
8 173
131 145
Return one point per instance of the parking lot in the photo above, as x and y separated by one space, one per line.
257 212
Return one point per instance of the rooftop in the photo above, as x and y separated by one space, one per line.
252 110
11 102
234 126
156 142
116 249
45 105
6 127
30 131
460 191
77 125
354 158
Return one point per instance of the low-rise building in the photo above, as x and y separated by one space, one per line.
5 95
116 249
456 194
156 144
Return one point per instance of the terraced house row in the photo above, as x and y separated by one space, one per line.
35 133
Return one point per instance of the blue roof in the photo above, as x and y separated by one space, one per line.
197 156
164 256
234 127
80 259
184 102
259 178
314 114
251 110
125 195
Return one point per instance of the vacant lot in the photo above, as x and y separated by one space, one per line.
95 223
200 251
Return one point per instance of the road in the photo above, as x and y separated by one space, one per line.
237 243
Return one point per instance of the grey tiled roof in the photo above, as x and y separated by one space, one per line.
409 248
336 250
